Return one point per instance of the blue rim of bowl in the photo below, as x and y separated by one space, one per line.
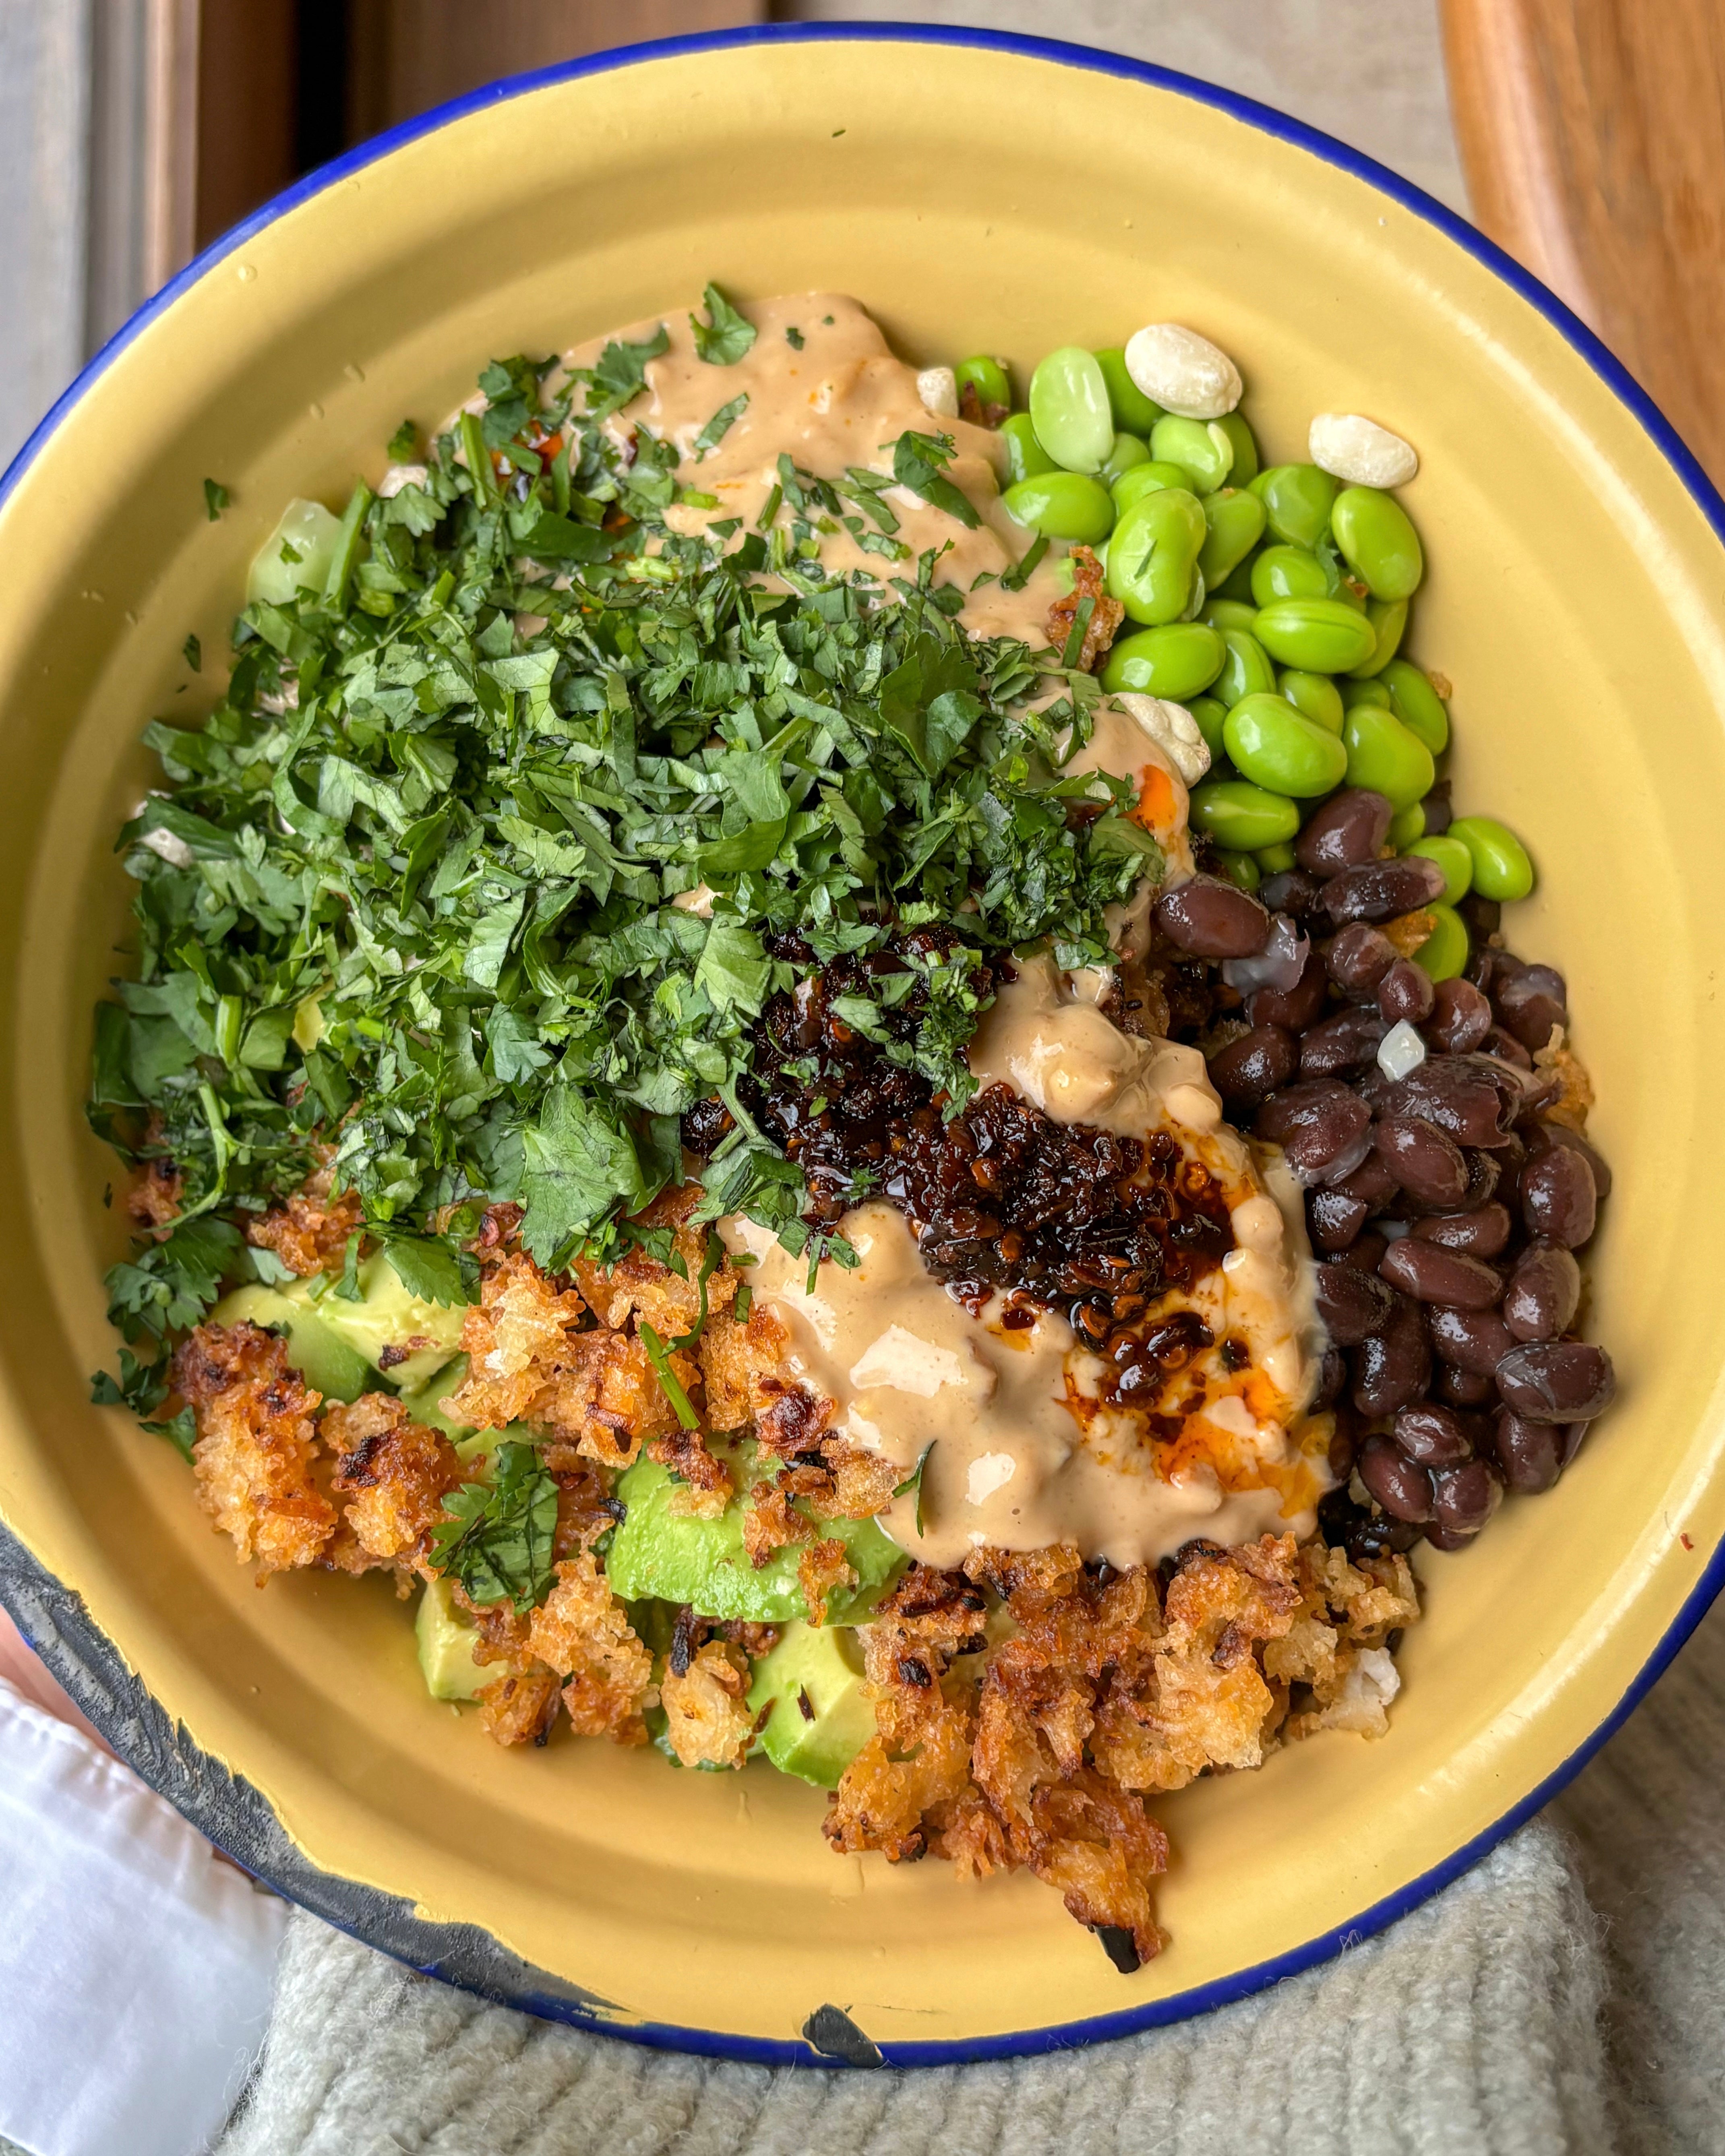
224 1807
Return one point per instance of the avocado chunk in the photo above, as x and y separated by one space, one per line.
447 1638
296 556
821 1717
407 1337
681 1558
424 1403
323 1358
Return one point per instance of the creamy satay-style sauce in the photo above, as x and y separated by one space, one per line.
841 398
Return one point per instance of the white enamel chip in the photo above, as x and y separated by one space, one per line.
1183 371
938 388
1400 1050
1350 447
1174 730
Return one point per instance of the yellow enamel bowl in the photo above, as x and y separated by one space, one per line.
977 193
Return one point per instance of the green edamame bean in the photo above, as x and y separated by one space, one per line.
1377 542
1153 554
1240 869
1235 519
1241 816
1354 692
1064 505
1278 747
1069 409
1237 585
1178 660
1197 446
1275 860
1389 618
1127 452
1197 606
1244 444
1406 825
1224 614
1444 953
1140 480
1282 572
1025 456
1319 636
1315 694
1245 671
1208 714
1296 498
1134 413
1502 869
1383 755
1453 858
988 377
1417 704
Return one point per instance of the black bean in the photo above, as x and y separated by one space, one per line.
1405 991
1435 1436
1463 1389
1432 1274
1343 1043
1550 1134
1506 1048
1335 1219
1379 889
1482 1234
1359 958
1475 1340
1556 1381
1529 1453
1393 1368
1461 1016
1483 916
1484 1174
1332 1376
1558 1198
1371 1181
1290 891
1543 1294
1250 1069
1468 1095
1294 1008
1439 812
1400 1487
1316 1123
1528 1009
1425 1161
1569 1437
1353 1304
1464 1498
1346 831
1212 919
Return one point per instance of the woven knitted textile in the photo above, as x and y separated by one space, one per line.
1567 1998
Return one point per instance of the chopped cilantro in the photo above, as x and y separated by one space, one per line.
793 336
722 421
495 1539
216 498
917 462
192 652
403 442
726 336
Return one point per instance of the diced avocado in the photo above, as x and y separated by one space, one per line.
389 1317
424 1402
297 554
682 1559
326 1361
446 1643
820 1717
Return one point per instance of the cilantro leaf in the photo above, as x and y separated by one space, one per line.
722 421
432 1270
917 463
216 498
726 336
496 1538
580 1163
620 373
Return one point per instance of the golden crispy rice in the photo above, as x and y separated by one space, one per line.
256 1446
583 1632
708 1486
1575 1096
742 1366
606 1399
640 1286
1106 614
821 1571
707 1718
154 1200
309 1232
396 1472
520 1709
518 1337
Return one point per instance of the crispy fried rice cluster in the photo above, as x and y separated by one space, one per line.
1025 1708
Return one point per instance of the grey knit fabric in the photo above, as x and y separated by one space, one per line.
1567 1996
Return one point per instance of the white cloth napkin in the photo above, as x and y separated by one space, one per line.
135 1965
